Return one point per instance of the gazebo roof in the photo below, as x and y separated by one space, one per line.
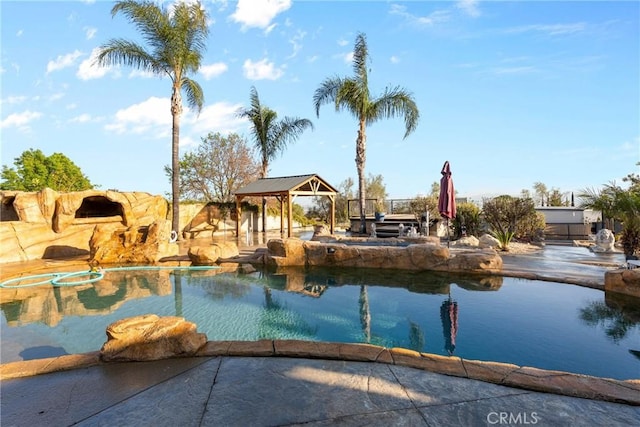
299 185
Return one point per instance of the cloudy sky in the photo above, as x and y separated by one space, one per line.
510 93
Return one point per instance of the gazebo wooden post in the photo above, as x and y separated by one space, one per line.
333 213
289 214
238 215
282 196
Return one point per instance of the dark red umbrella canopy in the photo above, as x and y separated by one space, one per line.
447 199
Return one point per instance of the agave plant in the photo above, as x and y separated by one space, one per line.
504 237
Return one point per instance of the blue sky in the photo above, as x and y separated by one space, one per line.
510 93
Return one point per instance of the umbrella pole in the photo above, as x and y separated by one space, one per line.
448 234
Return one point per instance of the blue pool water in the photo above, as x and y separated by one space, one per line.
529 323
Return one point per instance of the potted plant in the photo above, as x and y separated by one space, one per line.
379 211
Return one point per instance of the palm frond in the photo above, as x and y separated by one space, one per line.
194 93
360 59
396 102
120 51
326 92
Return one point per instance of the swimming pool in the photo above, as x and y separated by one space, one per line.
524 322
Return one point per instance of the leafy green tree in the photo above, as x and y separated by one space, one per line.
216 169
421 204
557 198
271 136
352 94
176 38
541 191
35 171
376 189
321 208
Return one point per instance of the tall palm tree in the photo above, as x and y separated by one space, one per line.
270 136
176 41
352 94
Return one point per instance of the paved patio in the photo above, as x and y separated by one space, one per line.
277 391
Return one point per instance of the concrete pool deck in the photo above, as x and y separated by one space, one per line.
275 383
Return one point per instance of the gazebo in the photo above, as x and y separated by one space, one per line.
286 189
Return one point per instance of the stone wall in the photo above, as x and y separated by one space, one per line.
623 281
49 224
432 257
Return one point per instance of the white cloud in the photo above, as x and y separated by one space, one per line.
259 13
433 18
90 32
82 118
394 59
311 59
470 7
213 70
221 117
342 42
56 96
19 33
89 69
296 41
20 120
152 120
348 57
549 29
150 117
261 70
63 61
139 73
13 100
514 70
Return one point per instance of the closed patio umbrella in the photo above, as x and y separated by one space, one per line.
447 198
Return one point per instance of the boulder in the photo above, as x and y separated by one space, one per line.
605 241
471 241
210 255
285 252
321 230
151 337
488 241
111 244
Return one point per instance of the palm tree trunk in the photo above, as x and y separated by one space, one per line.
360 163
265 168
176 110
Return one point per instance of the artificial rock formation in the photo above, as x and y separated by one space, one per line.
210 255
623 281
137 244
432 257
151 337
50 224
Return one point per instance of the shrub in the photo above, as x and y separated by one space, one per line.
467 215
505 214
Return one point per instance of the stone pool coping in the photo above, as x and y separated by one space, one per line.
522 377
